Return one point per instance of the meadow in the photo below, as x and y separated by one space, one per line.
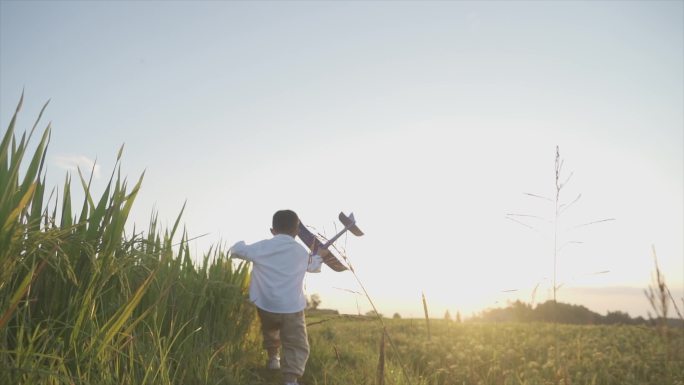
86 298
348 352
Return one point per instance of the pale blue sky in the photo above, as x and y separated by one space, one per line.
427 119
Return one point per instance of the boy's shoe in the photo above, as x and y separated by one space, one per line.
273 363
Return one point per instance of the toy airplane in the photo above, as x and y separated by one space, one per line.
314 244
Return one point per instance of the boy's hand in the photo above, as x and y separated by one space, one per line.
315 261
322 252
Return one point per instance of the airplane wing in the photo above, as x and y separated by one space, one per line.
313 243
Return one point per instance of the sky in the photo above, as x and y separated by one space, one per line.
430 121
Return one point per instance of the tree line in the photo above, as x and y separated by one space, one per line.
549 311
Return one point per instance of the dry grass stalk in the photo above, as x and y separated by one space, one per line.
658 297
377 315
380 379
427 317
337 355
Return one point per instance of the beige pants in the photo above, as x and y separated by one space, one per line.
286 330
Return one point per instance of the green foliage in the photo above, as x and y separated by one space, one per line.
82 302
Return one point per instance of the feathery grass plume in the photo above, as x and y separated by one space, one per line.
559 207
659 298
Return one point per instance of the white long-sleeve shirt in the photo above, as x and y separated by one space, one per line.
279 266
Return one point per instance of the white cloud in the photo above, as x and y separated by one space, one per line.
72 162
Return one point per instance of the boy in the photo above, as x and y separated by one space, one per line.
276 288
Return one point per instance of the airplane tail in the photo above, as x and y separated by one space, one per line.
350 223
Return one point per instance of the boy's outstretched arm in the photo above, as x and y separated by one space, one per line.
240 250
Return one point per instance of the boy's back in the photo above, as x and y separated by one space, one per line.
279 266
276 288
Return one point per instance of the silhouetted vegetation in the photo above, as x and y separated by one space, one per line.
563 313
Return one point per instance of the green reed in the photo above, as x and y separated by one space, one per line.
83 302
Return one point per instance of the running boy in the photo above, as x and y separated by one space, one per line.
276 288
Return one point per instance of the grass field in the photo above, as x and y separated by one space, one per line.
83 300
347 352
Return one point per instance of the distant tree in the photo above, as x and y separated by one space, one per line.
372 313
313 301
458 316
618 317
396 316
522 311
565 313
447 315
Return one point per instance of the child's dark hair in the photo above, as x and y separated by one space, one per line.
285 222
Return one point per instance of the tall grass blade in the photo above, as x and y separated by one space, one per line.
20 293
115 324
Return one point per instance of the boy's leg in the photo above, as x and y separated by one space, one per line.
295 346
270 330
